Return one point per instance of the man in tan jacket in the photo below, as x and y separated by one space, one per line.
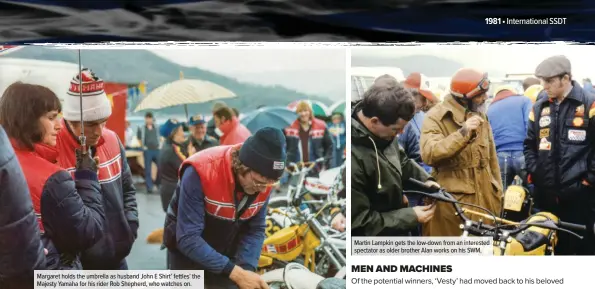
456 140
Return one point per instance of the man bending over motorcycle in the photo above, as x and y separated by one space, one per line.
379 166
216 219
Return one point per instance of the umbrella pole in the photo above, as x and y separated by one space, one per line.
82 138
186 110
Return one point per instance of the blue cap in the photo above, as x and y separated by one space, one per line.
197 119
169 126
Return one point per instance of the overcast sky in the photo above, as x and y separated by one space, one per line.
318 71
507 58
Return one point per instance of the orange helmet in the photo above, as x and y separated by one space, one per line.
469 83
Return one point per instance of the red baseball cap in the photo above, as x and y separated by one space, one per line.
422 84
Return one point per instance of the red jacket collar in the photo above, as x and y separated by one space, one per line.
44 151
70 139
228 126
503 94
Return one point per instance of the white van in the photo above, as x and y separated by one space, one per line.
363 77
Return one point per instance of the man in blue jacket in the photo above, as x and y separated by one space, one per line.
509 116
216 219
424 100
409 138
22 251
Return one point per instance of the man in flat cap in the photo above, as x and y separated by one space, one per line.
559 152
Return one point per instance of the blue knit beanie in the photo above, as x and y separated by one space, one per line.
265 153
169 126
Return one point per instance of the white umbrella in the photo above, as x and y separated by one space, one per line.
183 92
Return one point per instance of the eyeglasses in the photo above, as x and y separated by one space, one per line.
262 184
482 86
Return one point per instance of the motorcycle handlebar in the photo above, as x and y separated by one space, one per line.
572 226
442 195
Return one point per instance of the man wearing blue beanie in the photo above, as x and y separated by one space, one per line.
216 219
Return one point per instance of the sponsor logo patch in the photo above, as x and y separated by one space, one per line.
580 111
545 145
545 121
577 135
278 165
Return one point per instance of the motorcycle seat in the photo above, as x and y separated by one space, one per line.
324 183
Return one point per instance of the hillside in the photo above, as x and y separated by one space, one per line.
133 66
430 65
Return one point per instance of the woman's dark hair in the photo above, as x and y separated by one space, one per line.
389 101
21 106
236 112
224 112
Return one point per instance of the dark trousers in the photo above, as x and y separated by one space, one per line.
150 156
578 209
167 190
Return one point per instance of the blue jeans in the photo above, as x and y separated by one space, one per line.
512 163
151 156
337 157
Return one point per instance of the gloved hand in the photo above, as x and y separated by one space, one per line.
84 161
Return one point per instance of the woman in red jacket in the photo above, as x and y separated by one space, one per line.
69 213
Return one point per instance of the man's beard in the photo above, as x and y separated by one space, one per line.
477 107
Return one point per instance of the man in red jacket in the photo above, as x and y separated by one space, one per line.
234 132
216 219
119 194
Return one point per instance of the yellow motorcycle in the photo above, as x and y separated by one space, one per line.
305 241
534 236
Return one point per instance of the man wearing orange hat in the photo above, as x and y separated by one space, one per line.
456 140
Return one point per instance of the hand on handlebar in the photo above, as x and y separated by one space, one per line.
424 213
247 279
432 184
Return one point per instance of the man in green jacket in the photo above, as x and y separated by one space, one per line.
379 166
